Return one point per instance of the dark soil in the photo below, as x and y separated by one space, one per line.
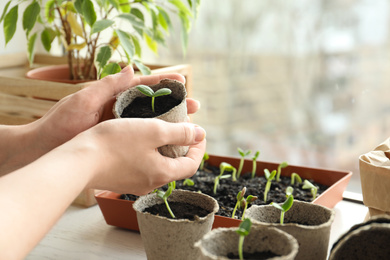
255 255
180 210
227 190
141 107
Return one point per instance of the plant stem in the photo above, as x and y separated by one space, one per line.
169 208
267 187
216 182
240 167
240 246
282 217
254 169
235 209
153 104
243 212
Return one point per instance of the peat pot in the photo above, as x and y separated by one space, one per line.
176 114
309 223
166 238
217 244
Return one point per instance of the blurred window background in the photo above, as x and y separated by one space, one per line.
306 82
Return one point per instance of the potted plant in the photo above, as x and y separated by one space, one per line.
165 237
247 242
165 100
368 240
309 223
116 211
374 175
92 30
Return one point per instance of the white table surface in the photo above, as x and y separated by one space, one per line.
82 233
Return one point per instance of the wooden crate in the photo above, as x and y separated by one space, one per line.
25 100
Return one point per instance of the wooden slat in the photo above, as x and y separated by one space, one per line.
16 105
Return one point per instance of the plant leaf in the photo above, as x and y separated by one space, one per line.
288 203
115 4
31 48
76 46
134 20
30 15
151 43
49 11
101 25
162 92
47 37
126 42
88 12
137 46
110 69
9 24
182 8
185 28
124 6
144 69
78 5
5 11
244 227
103 56
74 25
146 90
307 185
164 20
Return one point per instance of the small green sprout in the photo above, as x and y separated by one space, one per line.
205 158
165 195
284 207
254 163
282 165
243 230
188 182
289 191
242 202
147 91
313 189
269 176
295 177
242 154
222 168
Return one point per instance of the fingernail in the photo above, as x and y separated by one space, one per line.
125 69
200 133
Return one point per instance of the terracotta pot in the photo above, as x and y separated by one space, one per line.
369 240
374 169
175 115
309 223
166 238
218 243
116 211
57 73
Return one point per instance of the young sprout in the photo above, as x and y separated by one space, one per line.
222 168
242 202
313 189
269 176
284 207
188 182
242 154
243 230
147 91
295 177
282 165
165 195
289 191
205 158
254 164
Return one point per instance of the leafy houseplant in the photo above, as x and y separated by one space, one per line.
91 30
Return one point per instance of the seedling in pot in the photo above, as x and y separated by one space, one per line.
269 176
205 158
188 182
164 195
242 154
289 191
282 165
284 207
313 189
295 178
254 163
242 202
147 91
243 230
222 168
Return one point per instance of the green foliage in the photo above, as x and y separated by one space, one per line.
78 24
222 168
147 91
313 189
284 207
289 191
243 202
164 196
205 158
270 176
280 166
242 154
188 182
243 230
295 177
254 163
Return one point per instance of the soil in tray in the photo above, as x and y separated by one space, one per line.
180 210
227 190
141 107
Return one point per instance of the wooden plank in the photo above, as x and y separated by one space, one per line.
16 105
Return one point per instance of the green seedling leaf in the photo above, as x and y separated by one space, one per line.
242 154
284 207
146 90
270 177
162 92
254 163
205 158
150 93
313 189
282 165
289 191
188 182
244 227
295 177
